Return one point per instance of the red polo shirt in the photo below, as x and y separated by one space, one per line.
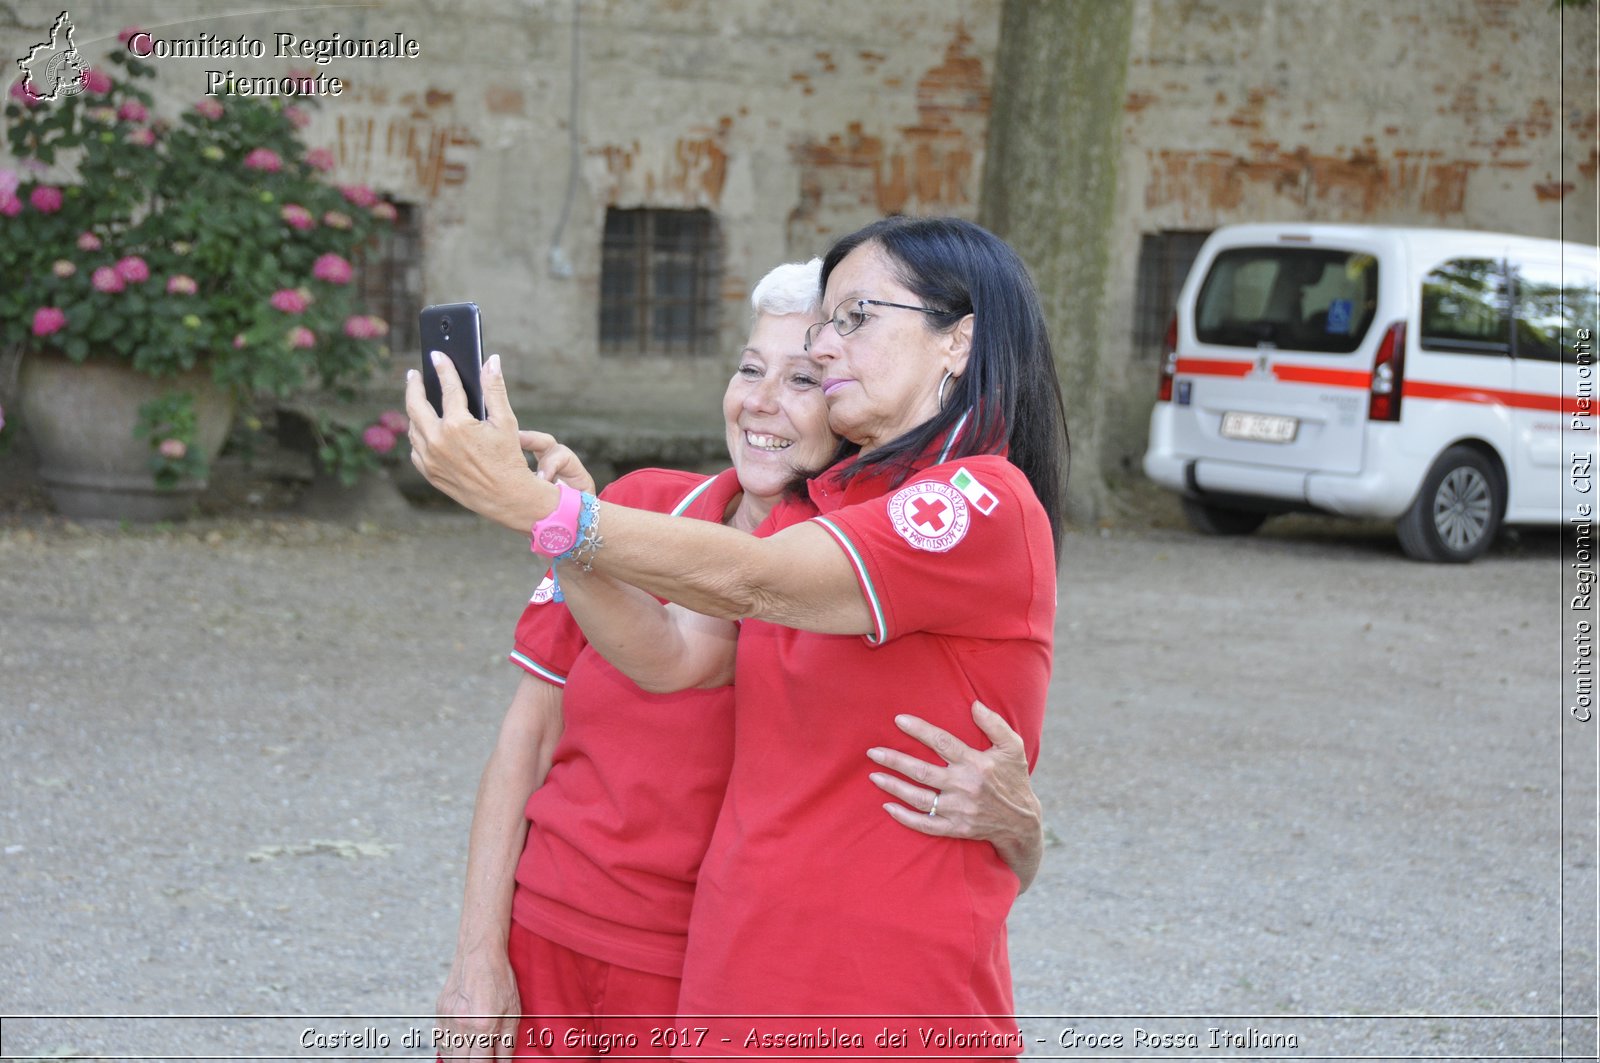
812 900
617 831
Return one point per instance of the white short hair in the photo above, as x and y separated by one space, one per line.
792 288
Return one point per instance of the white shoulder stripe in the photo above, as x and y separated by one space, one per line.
879 626
688 499
955 433
528 664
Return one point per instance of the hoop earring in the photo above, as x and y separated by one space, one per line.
948 376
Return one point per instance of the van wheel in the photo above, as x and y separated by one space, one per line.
1457 512
1220 520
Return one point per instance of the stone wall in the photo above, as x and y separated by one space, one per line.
796 123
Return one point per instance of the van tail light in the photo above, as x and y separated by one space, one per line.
1169 360
1388 375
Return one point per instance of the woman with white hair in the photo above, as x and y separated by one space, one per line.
599 800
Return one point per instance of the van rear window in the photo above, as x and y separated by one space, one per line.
1292 298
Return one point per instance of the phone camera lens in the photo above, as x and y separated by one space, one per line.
444 327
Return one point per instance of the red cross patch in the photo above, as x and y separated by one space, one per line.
929 515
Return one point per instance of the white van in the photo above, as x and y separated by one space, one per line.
1441 379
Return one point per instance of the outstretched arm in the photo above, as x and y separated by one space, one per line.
982 794
798 577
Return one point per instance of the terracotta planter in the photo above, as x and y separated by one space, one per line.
81 418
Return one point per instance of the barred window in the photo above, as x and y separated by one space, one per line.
388 276
1164 261
660 274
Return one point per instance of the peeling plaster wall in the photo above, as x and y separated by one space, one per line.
1429 112
793 123
798 123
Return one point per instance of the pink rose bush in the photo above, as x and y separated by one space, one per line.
332 268
297 216
133 269
379 439
264 159
171 233
290 301
96 82
46 199
365 327
48 320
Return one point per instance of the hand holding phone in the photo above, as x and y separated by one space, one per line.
456 330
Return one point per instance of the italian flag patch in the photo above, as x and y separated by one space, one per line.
981 497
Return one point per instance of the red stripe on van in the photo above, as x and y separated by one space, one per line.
1294 374
1310 374
1212 367
1521 400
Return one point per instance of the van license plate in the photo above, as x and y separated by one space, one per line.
1259 427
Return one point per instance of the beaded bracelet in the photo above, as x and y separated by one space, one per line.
589 540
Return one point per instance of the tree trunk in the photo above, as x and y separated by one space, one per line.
1049 188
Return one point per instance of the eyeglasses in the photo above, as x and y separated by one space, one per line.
851 315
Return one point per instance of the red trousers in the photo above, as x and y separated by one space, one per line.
578 1007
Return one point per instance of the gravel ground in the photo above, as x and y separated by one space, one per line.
1297 787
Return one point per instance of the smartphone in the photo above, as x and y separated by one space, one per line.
457 330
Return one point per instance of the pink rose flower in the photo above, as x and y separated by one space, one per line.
331 268
143 137
239 341
128 33
181 284
337 219
302 337
357 327
384 211
10 206
297 117
96 82
106 279
211 109
394 421
360 195
46 199
10 181
133 269
173 449
263 159
379 439
297 216
289 301
320 159
62 267
88 242
48 319
23 91
132 111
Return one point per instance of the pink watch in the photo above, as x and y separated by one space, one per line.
556 533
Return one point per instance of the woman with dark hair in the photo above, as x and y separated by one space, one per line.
934 536
582 858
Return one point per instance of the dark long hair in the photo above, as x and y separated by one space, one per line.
1010 385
